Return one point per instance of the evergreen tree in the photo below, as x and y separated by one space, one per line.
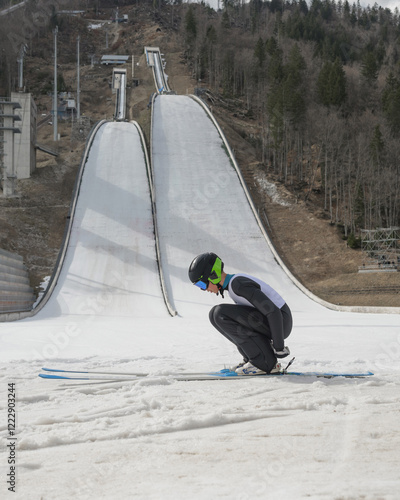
377 146
353 16
331 84
228 68
346 10
295 103
369 67
391 102
359 207
271 45
303 7
296 63
191 26
260 52
285 100
225 21
275 65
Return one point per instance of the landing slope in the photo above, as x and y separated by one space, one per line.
110 263
201 205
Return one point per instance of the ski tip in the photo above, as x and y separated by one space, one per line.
47 376
45 369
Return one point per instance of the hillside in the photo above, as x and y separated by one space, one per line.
32 224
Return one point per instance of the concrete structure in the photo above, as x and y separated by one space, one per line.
17 139
114 59
117 75
25 142
8 129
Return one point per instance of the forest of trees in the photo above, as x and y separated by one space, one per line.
322 80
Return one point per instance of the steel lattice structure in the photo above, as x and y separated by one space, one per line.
382 247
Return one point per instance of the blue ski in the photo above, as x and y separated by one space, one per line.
224 374
106 378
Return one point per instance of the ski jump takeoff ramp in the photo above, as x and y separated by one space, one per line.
110 263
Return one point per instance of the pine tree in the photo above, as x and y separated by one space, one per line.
294 100
391 102
369 67
225 21
259 52
191 26
331 84
377 145
275 65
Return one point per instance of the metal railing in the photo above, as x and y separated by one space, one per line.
120 105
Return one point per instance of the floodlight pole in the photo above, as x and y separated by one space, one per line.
55 100
78 92
20 61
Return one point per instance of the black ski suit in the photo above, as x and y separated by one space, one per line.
259 316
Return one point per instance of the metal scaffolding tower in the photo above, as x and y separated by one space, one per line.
382 248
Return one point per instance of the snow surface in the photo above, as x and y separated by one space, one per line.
157 438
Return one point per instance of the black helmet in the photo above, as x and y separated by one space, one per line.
206 267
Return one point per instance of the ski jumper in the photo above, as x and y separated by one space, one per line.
258 317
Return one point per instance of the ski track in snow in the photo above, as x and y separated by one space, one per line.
317 423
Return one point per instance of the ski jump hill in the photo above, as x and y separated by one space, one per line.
135 226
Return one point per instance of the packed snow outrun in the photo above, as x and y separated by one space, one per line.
121 303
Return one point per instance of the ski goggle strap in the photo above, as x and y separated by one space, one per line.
216 271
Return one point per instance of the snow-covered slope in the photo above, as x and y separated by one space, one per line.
162 439
111 254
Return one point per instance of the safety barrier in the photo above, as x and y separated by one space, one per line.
16 294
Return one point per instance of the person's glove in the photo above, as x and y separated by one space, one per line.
282 353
